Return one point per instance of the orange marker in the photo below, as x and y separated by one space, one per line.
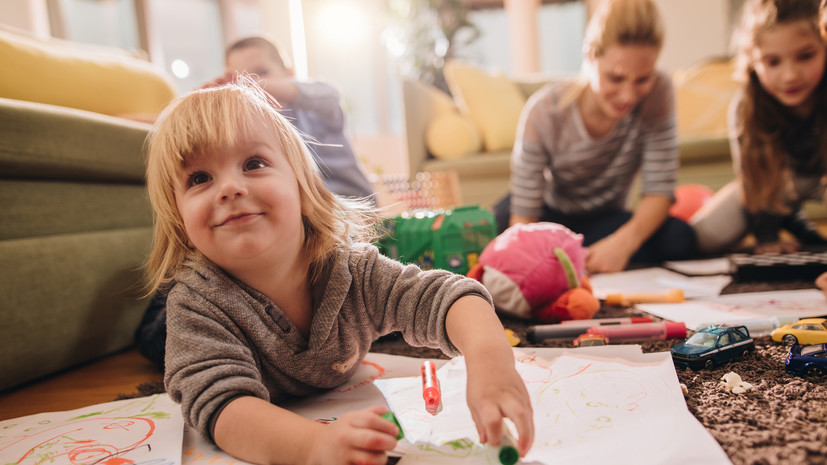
671 297
430 387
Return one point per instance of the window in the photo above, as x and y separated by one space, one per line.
186 37
115 22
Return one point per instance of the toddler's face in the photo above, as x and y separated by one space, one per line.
241 205
789 63
622 76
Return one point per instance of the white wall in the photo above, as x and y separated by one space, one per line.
29 15
695 30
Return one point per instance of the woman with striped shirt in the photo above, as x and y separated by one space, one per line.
581 144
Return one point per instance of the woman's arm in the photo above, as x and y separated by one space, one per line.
495 389
613 252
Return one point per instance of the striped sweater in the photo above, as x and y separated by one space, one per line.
556 162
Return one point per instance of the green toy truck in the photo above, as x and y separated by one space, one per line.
450 240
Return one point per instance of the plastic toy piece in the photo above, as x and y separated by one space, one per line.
809 361
735 384
805 331
713 346
512 337
675 296
590 340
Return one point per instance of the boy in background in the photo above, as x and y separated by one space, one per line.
314 108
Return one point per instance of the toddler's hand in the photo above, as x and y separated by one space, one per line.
362 437
497 392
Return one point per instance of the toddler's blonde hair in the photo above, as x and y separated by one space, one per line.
211 118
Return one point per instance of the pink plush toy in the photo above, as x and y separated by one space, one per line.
535 271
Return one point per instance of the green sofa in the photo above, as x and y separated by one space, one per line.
74 231
75 223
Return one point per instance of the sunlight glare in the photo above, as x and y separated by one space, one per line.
343 23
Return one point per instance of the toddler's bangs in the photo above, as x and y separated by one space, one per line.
213 118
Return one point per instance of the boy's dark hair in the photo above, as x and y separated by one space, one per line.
275 51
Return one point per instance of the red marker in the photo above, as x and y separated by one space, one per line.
430 386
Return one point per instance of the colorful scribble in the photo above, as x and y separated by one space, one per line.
118 434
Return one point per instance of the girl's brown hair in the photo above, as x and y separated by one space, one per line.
765 175
218 117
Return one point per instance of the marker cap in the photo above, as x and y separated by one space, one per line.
674 329
640 319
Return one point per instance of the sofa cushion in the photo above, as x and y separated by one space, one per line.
86 78
493 101
452 135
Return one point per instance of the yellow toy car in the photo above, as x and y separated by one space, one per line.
802 332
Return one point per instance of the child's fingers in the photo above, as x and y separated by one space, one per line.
380 434
523 418
366 457
489 421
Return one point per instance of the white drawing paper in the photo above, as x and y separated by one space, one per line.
634 411
144 430
656 280
798 303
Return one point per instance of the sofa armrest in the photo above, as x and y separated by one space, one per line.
39 141
420 109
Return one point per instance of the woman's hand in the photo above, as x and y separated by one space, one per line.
608 255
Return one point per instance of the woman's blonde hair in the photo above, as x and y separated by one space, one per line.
765 176
618 22
624 22
206 119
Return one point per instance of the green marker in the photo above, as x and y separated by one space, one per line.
392 418
508 454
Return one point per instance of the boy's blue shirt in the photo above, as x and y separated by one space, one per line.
317 113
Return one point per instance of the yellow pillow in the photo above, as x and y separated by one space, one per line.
702 96
451 135
492 100
77 77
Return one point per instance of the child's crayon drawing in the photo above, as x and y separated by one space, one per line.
148 430
634 411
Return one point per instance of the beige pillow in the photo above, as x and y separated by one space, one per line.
57 73
493 101
451 135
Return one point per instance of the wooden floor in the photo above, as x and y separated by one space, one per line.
93 383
